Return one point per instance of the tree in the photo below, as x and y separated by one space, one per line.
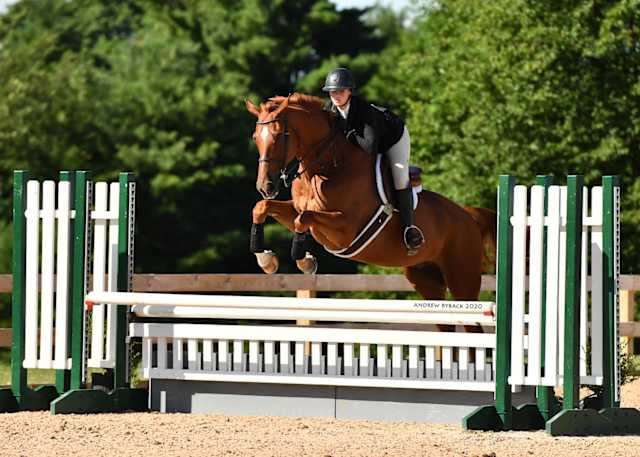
158 88
524 88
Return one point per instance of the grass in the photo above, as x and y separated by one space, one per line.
635 365
34 377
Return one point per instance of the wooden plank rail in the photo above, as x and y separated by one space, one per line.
308 285
152 282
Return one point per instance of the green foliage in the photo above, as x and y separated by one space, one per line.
524 88
158 88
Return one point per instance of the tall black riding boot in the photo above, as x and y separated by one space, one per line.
413 237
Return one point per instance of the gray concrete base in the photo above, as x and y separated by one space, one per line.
252 399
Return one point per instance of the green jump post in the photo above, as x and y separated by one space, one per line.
18 373
610 231
122 398
20 397
500 415
611 420
81 202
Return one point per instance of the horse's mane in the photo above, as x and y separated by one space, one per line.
307 102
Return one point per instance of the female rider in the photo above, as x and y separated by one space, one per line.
377 131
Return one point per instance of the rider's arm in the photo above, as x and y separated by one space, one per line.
368 141
366 135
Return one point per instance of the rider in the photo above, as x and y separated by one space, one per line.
376 130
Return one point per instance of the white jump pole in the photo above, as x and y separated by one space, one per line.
293 303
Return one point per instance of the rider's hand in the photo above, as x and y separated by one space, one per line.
351 134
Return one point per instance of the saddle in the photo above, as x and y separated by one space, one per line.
384 213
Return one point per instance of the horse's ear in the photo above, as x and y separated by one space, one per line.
282 106
253 109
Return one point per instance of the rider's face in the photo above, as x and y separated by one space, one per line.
340 98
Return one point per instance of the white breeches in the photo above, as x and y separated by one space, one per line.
398 155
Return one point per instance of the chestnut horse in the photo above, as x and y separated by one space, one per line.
334 196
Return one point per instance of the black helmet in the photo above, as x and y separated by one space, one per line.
338 79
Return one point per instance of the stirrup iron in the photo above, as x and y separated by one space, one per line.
412 249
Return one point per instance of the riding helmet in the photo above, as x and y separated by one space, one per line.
338 79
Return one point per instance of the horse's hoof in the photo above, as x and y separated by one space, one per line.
308 265
268 261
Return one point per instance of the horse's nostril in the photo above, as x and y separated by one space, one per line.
269 187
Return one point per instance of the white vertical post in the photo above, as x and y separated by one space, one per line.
381 356
316 357
61 360
269 356
413 361
396 361
178 359
47 280
519 222
192 354
112 269
583 285
534 369
430 361
481 373
223 355
207 355
596 282
553 272
299 356
562 268
253 355
99 262
162 353
238 354
32 214
284 357
147 349
364 360
349 369
332 359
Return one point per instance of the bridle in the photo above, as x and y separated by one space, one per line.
284 171
287 172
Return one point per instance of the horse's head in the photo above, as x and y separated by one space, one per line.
288 128
274 142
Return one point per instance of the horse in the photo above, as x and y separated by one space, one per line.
333 197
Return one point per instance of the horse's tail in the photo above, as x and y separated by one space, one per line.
487 222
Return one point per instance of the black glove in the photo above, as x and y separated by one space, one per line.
351 135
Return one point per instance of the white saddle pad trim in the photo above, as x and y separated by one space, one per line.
385 207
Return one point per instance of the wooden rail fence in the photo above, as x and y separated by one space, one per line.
309 285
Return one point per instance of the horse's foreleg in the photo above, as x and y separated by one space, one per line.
284 213
322 220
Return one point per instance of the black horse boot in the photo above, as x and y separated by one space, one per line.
413 237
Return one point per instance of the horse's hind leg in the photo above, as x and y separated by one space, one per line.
463 275
428 281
